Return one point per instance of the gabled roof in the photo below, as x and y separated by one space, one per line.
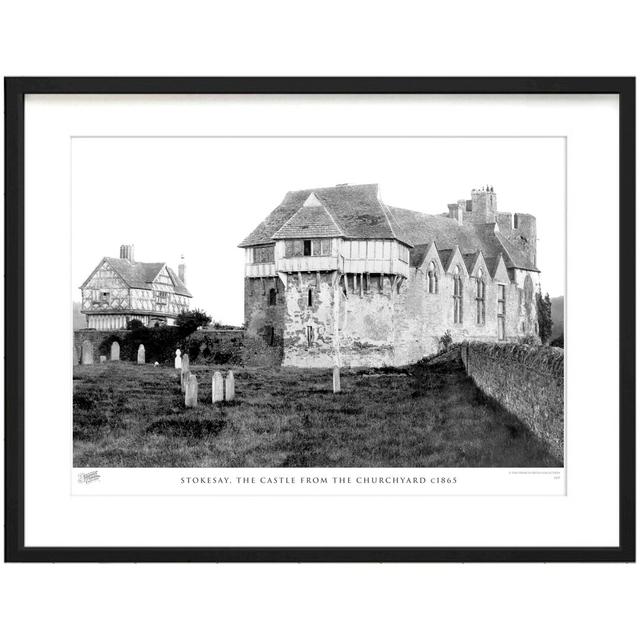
356 210
470 260
140 275
179 286
497 268
449 257
420 228
445 257
309 222
420 253
477 261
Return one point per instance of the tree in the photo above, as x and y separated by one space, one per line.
545 323
189 321
132 325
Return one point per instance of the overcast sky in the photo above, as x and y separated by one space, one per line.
201 196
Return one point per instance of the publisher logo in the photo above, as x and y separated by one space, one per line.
90 476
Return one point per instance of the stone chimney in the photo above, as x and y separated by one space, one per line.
126 252
182 268
456 211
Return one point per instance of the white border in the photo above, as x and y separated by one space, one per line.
587 516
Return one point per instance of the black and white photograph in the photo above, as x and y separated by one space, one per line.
318 301
320 320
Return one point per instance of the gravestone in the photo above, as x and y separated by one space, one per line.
141 356
115 350
229 387
191 393
103 358
185 362
217 391
177 363
336 379
87 352
184 378
75 356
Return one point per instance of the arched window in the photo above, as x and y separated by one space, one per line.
457 295
480 298
310 298
432 276
272 297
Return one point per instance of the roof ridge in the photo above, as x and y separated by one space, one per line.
300 210
387 215
338 226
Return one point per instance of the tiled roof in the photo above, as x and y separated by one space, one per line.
420 228
309 222
517 256
470 260
140 275
417 254
179 286
445 256
492 264
355 209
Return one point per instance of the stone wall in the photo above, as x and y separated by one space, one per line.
213 345
421 318
96 338
329 321
216 346
319 319
264 312
527 381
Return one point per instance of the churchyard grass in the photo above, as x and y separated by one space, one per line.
129 415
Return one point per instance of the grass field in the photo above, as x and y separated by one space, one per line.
127 415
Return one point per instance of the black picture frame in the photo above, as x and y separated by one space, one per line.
15 91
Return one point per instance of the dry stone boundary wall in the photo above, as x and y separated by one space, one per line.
229 345
527 381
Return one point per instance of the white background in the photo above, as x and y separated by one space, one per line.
587 516
402 38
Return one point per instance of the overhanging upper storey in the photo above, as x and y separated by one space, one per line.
344 228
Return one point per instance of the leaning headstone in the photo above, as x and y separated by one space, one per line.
191 393
141 356
185 362
103 358
115 350
229 387
336 379
87 352
217 391
177 363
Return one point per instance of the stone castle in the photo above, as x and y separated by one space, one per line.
336 276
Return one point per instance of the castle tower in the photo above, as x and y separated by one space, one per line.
484 204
